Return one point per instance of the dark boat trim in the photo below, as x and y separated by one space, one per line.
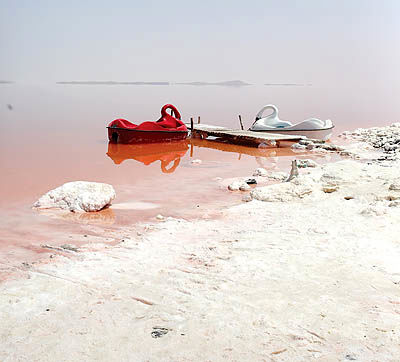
141 130
292 130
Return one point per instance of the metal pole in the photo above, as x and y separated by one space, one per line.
240 120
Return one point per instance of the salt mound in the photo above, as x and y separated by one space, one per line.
260 172
282 192
78 196
238 185
306 163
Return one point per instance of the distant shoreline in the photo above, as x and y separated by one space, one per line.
230 83
111 83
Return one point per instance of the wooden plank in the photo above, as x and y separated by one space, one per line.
242 136
225 132
253 135
207 127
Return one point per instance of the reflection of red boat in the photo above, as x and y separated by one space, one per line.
149 153
168 128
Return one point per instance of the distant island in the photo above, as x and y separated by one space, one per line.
110 82
228 83
288 84
6 82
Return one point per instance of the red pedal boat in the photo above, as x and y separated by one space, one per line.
168 128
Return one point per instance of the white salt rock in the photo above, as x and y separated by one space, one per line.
305 142
196 162
244 187
159 217
374 210
388 147
78 196
280 176
298 146
306 163
282 192
395 186
235 185
260 172
247 198
262 145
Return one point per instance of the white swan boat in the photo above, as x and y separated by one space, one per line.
311 128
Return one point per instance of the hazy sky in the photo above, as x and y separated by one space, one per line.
313 41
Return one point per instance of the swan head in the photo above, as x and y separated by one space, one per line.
274 113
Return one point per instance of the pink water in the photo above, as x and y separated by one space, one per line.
56 133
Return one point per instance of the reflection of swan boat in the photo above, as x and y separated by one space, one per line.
311 128
265 157
168 128
149 153
242 150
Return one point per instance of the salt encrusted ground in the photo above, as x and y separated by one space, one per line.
314 277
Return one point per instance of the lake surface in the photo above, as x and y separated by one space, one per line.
52 134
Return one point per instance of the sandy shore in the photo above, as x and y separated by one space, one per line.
312 274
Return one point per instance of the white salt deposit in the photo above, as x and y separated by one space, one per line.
303 163
78 196
245 187
298 146
395 186
237 185
260 172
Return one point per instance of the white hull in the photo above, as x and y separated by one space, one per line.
311 128
318 134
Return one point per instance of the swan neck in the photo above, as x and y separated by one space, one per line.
274 113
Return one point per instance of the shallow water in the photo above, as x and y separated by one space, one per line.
53 134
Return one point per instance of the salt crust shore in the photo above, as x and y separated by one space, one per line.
313 277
